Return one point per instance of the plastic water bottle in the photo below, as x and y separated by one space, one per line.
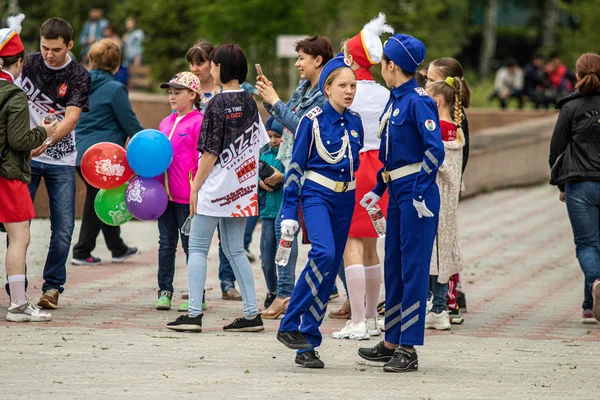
378 220
284 250
186 228
50 118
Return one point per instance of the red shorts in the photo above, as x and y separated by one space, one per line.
15 201
366 179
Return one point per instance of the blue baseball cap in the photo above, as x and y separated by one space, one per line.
405 51
332 65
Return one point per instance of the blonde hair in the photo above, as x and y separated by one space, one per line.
451 91
105 55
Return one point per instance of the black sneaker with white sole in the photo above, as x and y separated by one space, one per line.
245 325
376 353
309 359
91 261
185 323
456 317
402 361
131 252
294 340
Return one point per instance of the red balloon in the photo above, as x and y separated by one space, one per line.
104 166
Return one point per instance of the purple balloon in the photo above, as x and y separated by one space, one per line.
146 198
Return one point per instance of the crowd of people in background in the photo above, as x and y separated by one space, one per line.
543 82
340 151
131 42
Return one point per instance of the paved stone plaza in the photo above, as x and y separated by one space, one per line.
522 337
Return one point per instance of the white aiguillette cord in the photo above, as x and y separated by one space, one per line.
385 124
337 156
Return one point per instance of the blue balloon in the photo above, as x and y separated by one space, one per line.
149 153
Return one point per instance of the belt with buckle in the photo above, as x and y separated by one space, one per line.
401 172
338 187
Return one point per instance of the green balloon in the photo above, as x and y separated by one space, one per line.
110 206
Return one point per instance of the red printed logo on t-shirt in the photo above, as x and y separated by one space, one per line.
62 90
247 170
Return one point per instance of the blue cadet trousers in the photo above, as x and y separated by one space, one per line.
408 247
327 216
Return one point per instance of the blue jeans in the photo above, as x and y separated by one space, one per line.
169 232
439 292
583 206
60 184
232 240
226 275
268 249
249 230
286 273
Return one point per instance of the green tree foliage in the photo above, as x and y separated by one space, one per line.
580 32
172 26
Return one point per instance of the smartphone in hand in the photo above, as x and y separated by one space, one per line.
259 73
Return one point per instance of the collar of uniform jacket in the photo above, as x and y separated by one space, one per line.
333 115
406 87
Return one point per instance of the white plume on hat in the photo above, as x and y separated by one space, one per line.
378 26
14 22
366 47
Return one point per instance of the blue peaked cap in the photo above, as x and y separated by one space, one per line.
405 51
332 65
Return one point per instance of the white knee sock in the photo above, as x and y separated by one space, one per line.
373 286
355 277
16 283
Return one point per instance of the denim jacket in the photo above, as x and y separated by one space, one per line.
290 113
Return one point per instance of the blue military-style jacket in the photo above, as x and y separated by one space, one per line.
333 127
414 137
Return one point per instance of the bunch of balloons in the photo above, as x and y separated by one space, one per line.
108 167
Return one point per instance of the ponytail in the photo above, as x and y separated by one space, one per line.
588 70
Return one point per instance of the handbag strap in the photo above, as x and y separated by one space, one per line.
6 99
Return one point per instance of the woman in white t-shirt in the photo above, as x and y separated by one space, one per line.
225 189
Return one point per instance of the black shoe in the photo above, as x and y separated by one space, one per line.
131 252
269 300
381 308
402 361
309 359
185 323
376 353
245 325
294 340
461 300
334 294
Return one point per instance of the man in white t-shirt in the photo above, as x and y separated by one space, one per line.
52 80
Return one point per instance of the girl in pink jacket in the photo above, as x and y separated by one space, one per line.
182 128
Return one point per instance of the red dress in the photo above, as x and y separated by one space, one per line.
15 201
366 179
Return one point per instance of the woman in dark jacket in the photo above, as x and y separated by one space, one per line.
111 119
16 143
575 169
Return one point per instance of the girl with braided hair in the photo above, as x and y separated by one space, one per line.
439 70
446 259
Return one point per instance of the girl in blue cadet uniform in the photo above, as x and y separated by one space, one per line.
411 152
321 177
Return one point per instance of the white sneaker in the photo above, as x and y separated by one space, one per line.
374 326
353 331
439 321
27 313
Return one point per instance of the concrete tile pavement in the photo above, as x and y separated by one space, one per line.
522 337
